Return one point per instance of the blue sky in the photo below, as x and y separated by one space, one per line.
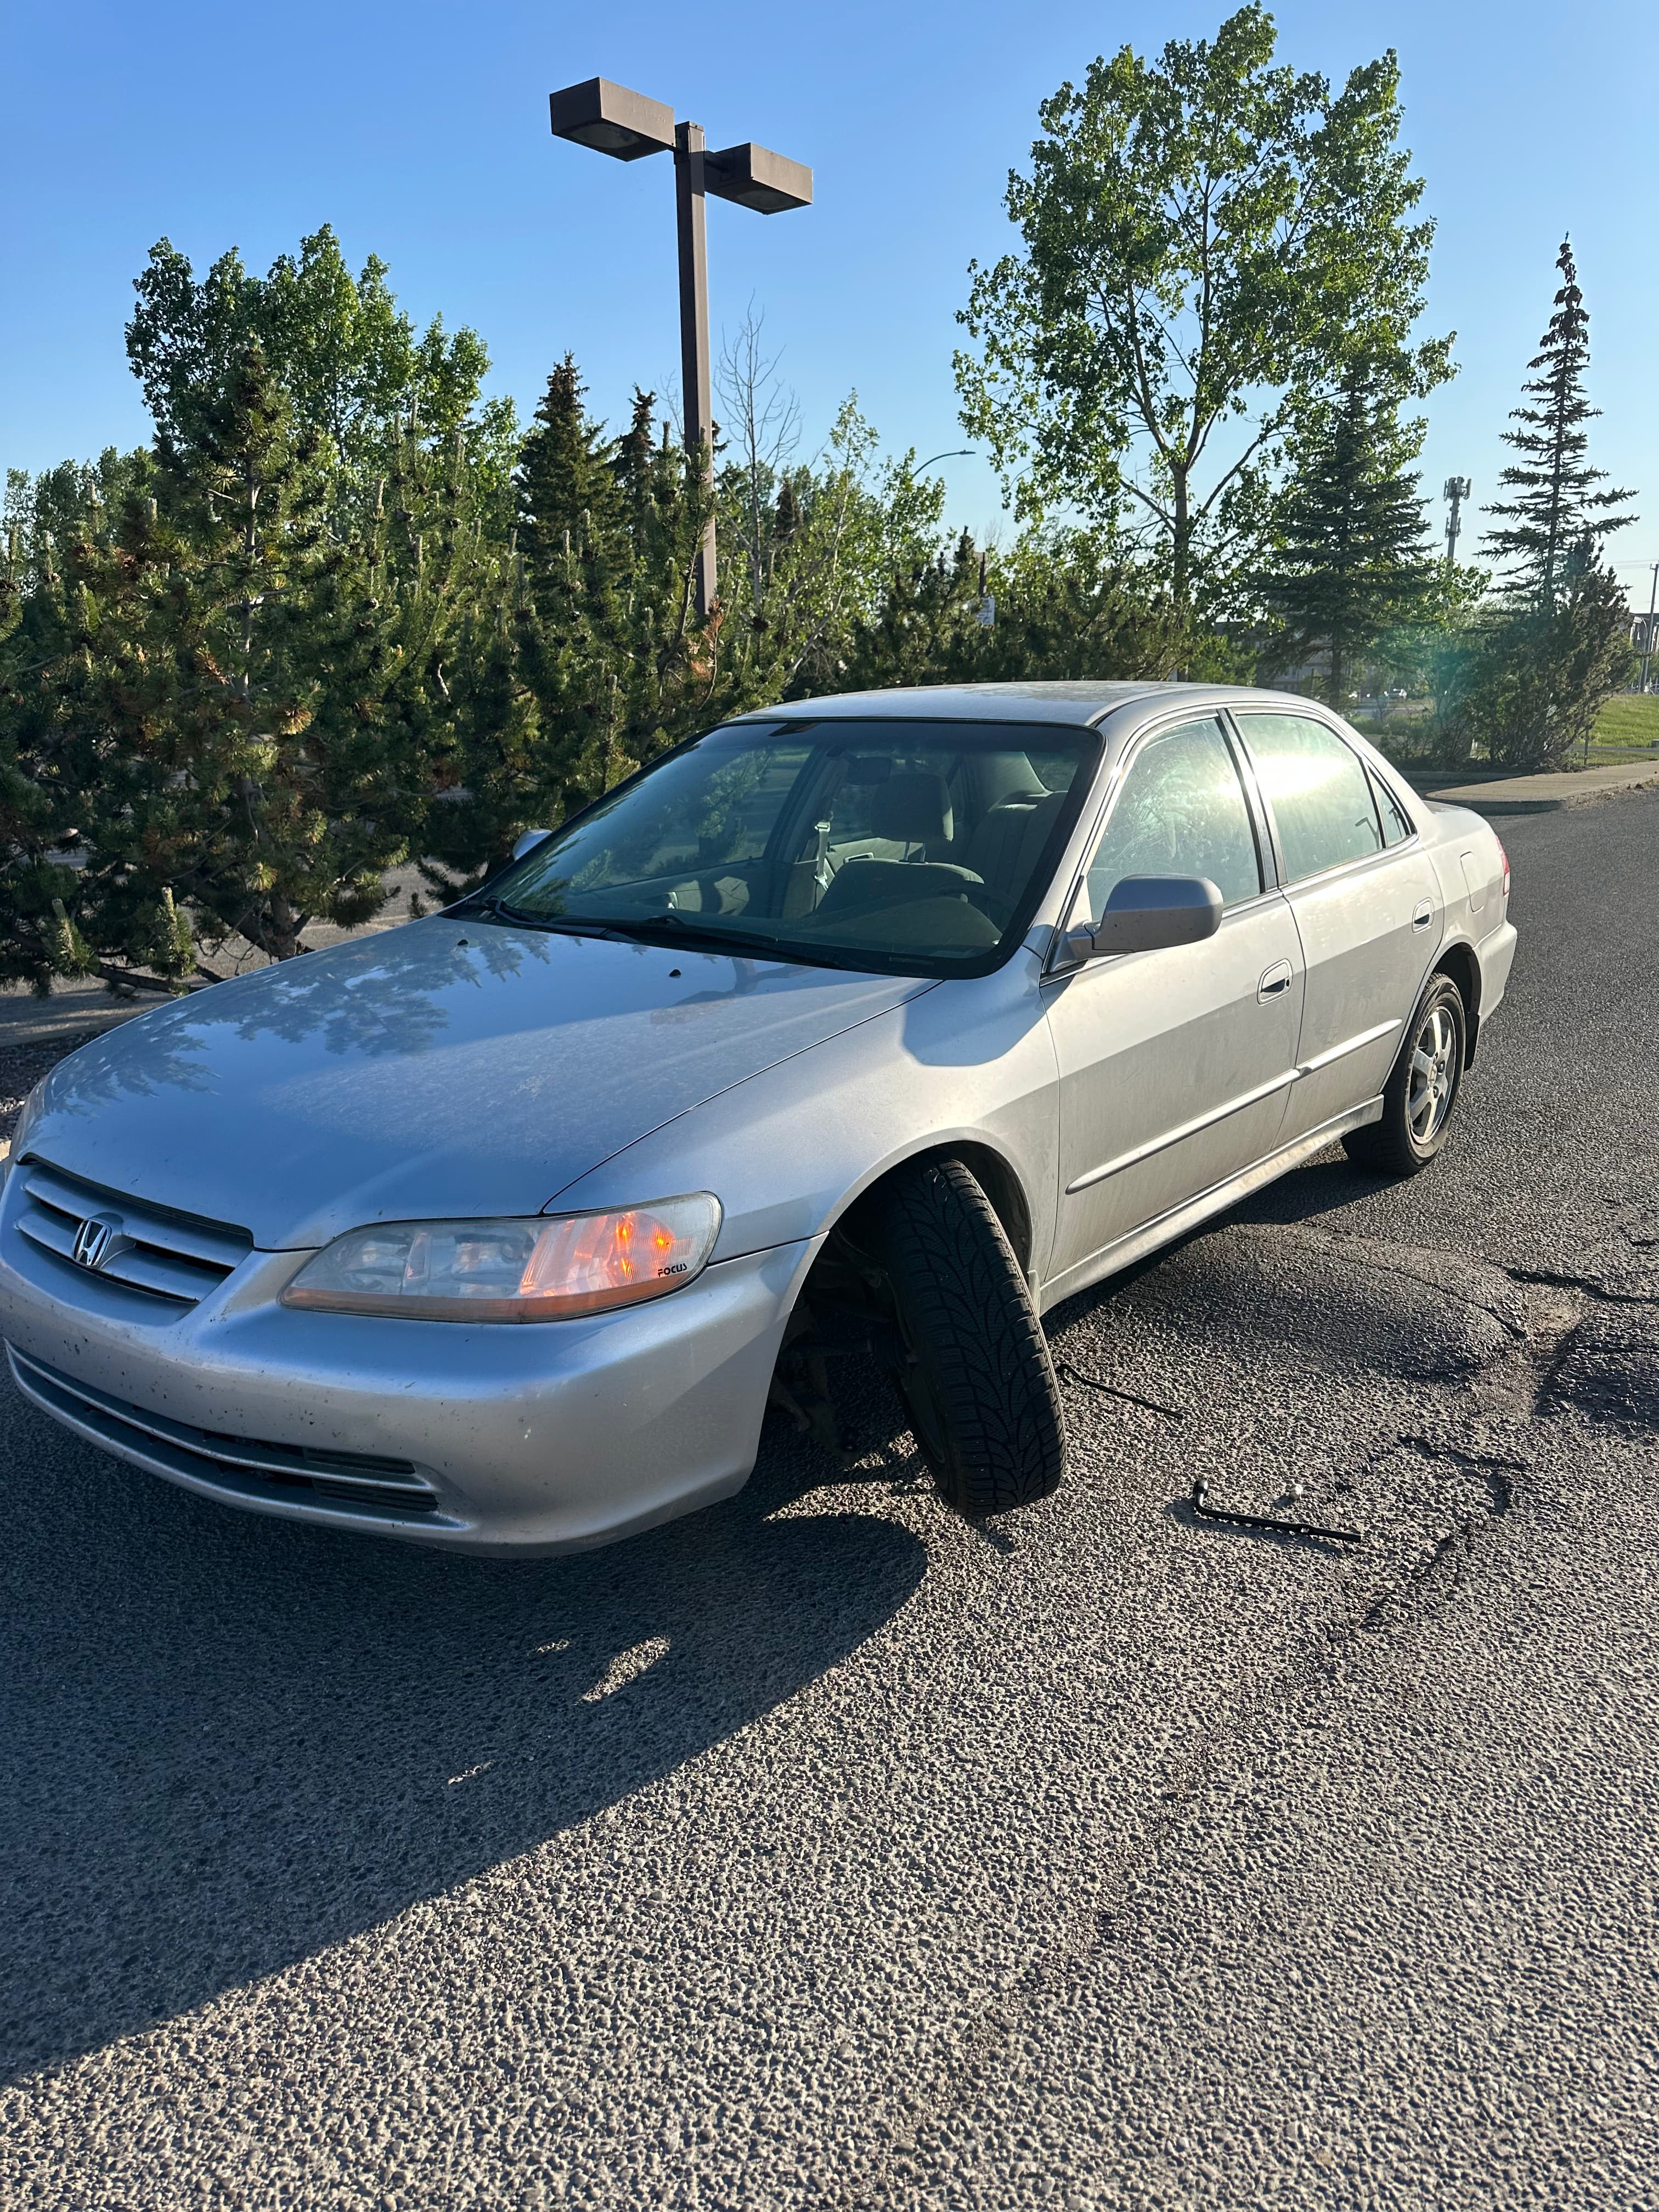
421 133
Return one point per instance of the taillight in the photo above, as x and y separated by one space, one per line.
1504 857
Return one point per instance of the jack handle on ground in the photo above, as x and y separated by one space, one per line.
1267 1521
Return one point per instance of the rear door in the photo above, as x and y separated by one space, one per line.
1367 902
1174 1065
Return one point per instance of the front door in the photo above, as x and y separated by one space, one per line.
1174 1065
1368 906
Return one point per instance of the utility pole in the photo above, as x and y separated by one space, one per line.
1647 641
611 120
695 387
1457 489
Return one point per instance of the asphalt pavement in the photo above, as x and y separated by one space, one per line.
824 1850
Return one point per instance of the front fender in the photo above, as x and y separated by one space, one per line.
970 1063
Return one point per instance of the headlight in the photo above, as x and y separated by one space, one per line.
539 1269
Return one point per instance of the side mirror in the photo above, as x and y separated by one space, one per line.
1149 913
529 841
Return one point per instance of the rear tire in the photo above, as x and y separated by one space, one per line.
1421 1092
977 1379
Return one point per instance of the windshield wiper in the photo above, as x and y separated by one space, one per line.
725 941
490 906
635 929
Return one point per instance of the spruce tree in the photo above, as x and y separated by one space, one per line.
1555 505
1349 559
586 657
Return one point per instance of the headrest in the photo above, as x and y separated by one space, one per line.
913 807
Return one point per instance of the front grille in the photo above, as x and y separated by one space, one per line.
394 1489
172 1258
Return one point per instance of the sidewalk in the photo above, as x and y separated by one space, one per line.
1532 794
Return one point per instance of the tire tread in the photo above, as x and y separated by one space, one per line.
967 1313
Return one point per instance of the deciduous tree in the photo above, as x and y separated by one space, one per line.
348 360
1206 241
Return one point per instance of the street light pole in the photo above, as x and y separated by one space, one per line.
695 380
613 120
1646 641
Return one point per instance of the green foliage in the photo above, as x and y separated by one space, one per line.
1532 671
587 658
1555 508
1056 607
350 362
1206 243
1539 677
1349 560
221 703
833 537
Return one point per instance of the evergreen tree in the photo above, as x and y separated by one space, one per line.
588 657
222 702
1349 559
1056 607
1541 675
1555 505
36 941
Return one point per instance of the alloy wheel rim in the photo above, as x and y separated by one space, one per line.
1433 1076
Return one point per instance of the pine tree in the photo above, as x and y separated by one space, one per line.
574 535
217 705
1350 559
1555 506
587 657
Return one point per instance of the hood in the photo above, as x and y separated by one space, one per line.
445 1068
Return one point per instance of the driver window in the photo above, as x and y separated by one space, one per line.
1180 812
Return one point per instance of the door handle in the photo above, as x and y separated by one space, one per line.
1422 914
1275 981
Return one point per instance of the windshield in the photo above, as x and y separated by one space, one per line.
906 847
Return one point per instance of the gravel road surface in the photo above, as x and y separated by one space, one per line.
824 1850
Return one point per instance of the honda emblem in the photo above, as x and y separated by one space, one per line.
94 1240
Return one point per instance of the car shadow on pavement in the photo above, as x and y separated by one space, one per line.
1329 1184
231 1741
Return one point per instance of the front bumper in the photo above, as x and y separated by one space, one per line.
539 1437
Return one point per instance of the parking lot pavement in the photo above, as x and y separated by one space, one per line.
823 1849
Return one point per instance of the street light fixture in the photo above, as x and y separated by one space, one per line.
610 119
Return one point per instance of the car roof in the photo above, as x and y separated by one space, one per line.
1078 705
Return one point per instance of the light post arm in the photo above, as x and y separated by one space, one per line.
610 119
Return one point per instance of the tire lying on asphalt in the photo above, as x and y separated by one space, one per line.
977 1379
1421 1092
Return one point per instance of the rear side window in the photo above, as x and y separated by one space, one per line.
1319 792
1180 812
1397 825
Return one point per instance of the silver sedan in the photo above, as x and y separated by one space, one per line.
890 1018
